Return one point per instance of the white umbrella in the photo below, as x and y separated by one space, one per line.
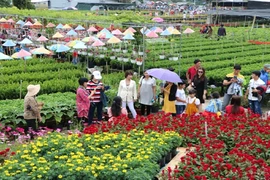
26 41
3 56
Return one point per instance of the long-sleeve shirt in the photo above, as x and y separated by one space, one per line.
127 92
31 110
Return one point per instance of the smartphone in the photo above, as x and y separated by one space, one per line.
161 85
235 77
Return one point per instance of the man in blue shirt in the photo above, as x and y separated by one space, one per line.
265 73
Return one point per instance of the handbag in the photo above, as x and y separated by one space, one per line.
218 112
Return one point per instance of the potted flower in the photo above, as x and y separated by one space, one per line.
175 57
162 55
140 51
112 56
133 59
120 58
90 53
139 61
134 51
170 57
84 53
125 58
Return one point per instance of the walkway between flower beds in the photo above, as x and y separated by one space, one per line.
176 160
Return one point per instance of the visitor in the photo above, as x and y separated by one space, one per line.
116 109
146 93
210 31
233 81
83 100
192 103
96 85
235 108
31 110
192 71
214 107
128 92
17 48
199 83
265 74
75 57
169 91
180 102
253 92
221 30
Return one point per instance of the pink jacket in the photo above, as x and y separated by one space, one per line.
123 112
82 102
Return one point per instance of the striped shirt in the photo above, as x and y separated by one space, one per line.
91 86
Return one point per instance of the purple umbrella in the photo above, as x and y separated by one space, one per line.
164 74
157 19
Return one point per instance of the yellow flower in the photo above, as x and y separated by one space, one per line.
95 175
124 171
60 176
25 151
39 176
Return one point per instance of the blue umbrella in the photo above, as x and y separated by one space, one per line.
128 37
26 41
72 33
20 22
9 43
105 31
3 56
54 47
165 33
145 31
79 28
153 28
59 26
62 48
80 45
108 35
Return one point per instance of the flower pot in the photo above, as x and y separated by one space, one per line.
140 53
112 57
105 49
101 55
161 56
84 53
162 162
125 51
125 59
168 157
170 58
90 54
120 59
173 152
113 50
134 53
175 58
79 52
118 50
133 61
139 63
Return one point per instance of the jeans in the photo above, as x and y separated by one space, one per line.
31 123
91 112
226 100
148 109
131 107
255 107
180 109
75 60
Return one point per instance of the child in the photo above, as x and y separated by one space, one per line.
180 102
192 103
116 109
214 107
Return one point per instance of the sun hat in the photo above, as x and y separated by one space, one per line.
32 90
97 75
267 66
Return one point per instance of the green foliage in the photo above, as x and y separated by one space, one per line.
4 3
23 4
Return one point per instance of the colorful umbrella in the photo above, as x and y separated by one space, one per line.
117 32
89 39
57 35
37 24
92 29
11 21
128 32
50 25
128 37
80 45
23 53
144 30
42 39
175 31
9 43
54 47
152 34
3 20
3 56
72 43
165 33
108 35
66 27
131 29
170 29
26 41
164 74
71 33
98 43
188 31
79 28
113 40
15 56
28 23
41 50
59 26
62 48
158 30
101 35
105 31
157 19
20 22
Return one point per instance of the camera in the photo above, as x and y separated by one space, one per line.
254 94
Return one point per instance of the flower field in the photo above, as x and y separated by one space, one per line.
99 156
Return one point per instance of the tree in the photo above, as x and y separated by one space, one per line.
23 4
5 3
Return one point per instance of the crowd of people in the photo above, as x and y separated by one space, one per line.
180 98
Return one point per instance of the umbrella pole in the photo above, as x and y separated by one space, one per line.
180 56
20 89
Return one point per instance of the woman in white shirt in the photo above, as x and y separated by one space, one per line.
147 93
128 92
